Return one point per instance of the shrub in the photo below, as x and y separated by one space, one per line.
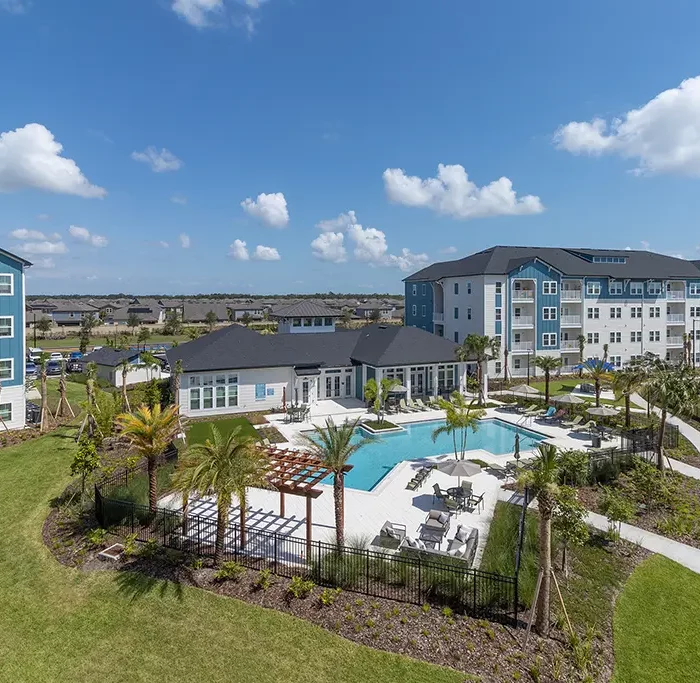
130 545
329 596
617 509
197 563
264 580
149 548
230 571
573 467
300 587
96 538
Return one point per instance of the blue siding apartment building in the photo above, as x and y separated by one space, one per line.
12 340
542 300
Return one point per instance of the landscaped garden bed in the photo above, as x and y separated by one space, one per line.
379 427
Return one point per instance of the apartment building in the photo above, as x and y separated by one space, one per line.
541 300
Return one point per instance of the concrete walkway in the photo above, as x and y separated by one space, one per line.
678 552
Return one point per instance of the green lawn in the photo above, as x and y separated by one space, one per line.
199 432
73 343
567 385
657 630
74 392
60 624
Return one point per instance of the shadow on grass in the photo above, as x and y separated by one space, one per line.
135 585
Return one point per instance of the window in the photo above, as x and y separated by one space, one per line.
636 289
7 369
516 363
695 311
499 288
654 288
318 322
424 310
469 287
195 395
232 390
616 337
593 289
6 327
616 361
609 259
414 310
498 367
6 412
414 290
328 322
549 339
635 337
654 311
260 391
308 322
207 398
615 287
636 311
456 288
549 313
456 337
498 315
549 287
593 338
469 314
6 284
654 336
296 322
694 288
593 313
456 312
615 312
424 289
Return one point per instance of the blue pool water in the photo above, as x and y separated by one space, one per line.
377 458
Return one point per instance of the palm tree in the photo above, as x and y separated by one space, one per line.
505 365
177 381
547 364
599 371
333 445
223 466
475 348
541 478
148 361
460 417
133 321
625 383
150 432
377 394
125 367
581 339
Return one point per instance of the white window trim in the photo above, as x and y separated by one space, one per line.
12 369
12 284
636 288
618 285
593 289
9 417
550 336
552 285
12 326
654 288
551 311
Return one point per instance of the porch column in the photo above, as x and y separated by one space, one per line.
407 375
485 378
434 370
309 527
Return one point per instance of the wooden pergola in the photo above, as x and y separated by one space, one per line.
297 473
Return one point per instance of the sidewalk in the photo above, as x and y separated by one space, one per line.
678 552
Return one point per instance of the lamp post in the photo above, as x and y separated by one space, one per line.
694 321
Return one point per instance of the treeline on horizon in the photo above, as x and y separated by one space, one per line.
219 295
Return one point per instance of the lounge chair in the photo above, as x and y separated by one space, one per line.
393 530
570 424
419 404
405 408
585 428
550 412
534 412
557 416
413 404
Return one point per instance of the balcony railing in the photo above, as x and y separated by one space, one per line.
570 321
674 341
522 347
571 295
523 295
523 321
438 317
675 319
520 372
675 294
569 345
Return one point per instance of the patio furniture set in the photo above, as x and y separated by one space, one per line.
298 413
458 498
413 405
420 478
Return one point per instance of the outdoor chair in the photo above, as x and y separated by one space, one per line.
534 412
570 424
556 416
585 428
393 530
550 412
438 493
414 404
437 519
475 502
419 404
452 506
405 408
464 544
467 488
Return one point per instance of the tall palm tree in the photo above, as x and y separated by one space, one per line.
150 432
476 348
148 361
125 367
460 417
581 339
625 383
223 466
599 371
541 478
377 394
177 382
334 446
547 364
505 365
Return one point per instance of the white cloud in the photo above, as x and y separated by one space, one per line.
263 253
328 246
271 209
449 250
406 260
30 157
44 247
178 199
453 194
370 243
197 12
339 224
663 134
43 217
91 277
238 251
84 235
645 245
159 161
25 234
14 6
185 241
45 263
164 244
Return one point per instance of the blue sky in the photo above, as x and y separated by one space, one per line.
334 120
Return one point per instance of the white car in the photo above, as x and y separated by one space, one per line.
34 353
55 355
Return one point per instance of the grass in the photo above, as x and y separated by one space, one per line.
60 624
73 343
74 392
199 432
557 387
136 491
657 631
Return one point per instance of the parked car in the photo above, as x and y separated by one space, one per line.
53 367
74 366
75 355
34 354
31 370
56 355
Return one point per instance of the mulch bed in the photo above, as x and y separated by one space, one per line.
16 436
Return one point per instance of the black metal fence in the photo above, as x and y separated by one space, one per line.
439 580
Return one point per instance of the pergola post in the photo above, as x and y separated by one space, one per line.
309 525
281 503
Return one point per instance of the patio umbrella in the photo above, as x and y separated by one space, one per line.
400 389
525 390
568 399
602 411
459 468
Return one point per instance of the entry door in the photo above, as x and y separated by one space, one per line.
305 391
417 383
329 386
336 386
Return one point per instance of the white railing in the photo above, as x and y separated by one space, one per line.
523 321
519 372
675 294
438 317
523 295
521 346
569 345
673 318
674 341
571 320
571 295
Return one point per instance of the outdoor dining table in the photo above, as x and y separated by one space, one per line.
295 414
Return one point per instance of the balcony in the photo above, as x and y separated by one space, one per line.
522 347
675 294
570 321
675 319
523 295
569 345
519 372
571 295
672 342
438 317
523 321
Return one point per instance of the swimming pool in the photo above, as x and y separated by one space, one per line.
377 458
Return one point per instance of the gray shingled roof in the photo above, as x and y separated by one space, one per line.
109 356
304 309
501 260
197 313
237 347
